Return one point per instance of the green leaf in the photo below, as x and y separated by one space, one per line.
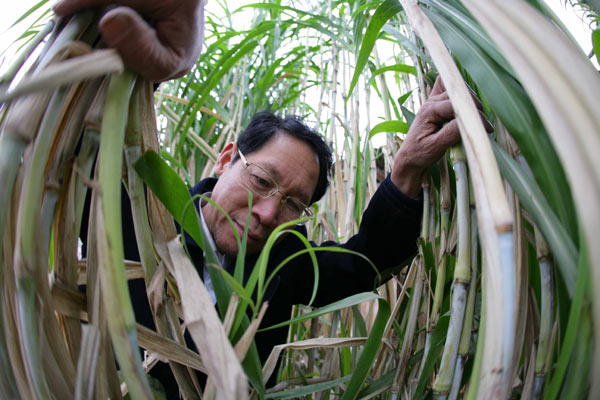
460 18
219 69
389 126
409 115
369 351
428 257
324 20
572 334
29 12
408 69
338 305
308 389
377 385
384 12
171 191
359 321
404 97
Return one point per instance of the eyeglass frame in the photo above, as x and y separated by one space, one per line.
306 211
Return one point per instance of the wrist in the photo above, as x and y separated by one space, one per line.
407 179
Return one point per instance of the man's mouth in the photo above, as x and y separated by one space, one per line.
253 236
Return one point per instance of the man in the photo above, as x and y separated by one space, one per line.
286 166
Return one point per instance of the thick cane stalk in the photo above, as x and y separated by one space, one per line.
565 95
546 314
495 220
462 276
442 261
465 340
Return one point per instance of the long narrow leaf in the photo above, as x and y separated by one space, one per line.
384 12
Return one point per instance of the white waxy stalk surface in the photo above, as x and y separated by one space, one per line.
495 219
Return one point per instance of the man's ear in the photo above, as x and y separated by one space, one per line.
225 158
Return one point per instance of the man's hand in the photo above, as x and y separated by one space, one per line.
166 47
433 130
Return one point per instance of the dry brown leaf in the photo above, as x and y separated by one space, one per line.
206 328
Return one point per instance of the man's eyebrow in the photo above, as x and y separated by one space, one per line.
272 169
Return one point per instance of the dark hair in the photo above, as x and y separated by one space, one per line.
266 125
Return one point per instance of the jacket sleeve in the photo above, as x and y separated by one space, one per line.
387 237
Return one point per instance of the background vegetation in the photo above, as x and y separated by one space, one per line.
500 301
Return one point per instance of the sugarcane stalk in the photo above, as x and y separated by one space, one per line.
350 222
462 276
445 201
477 370
495 220
529 40
115 293
465 340
442 260
547 314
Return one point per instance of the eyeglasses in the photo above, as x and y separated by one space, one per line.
256 179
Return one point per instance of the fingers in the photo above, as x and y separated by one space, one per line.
167 49
137 43
68 7
448 136
440 111
438 87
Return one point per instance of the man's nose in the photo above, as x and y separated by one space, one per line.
267 208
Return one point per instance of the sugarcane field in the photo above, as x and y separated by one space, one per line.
300 199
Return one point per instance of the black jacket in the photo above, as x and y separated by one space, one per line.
387 236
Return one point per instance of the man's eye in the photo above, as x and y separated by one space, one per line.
294 205
260 181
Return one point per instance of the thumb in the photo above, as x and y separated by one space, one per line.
137 43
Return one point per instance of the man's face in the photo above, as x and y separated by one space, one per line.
292 164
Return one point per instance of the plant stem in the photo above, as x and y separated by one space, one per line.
462 276
115 293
